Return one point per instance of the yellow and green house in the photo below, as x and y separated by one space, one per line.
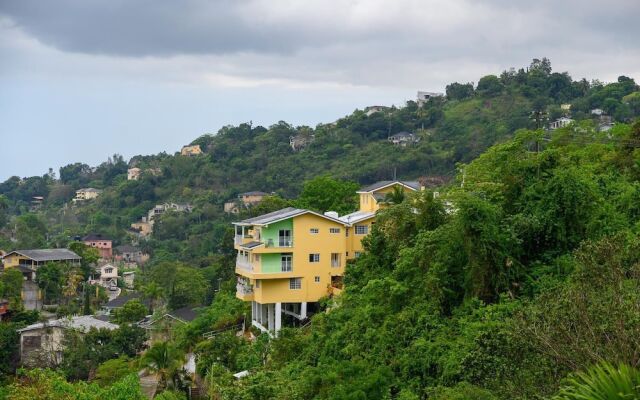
289 259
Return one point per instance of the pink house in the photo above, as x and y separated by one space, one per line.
101 243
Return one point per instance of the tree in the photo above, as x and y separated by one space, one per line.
30 231
166 360
11 287
132 311
50 279
89 255
327 194
113 370
183 285
152 292
459 91
603 381
4 205
489 86
396 196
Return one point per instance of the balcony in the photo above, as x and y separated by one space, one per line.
281 242
244 291
244 263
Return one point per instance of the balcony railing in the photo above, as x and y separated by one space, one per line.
243 289
244 263
281 242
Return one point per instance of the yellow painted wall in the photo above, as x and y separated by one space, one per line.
354 242
13 260
369 203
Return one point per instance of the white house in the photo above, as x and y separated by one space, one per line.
560 123
42 344
404 139
423 97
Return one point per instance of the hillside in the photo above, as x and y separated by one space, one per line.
522 271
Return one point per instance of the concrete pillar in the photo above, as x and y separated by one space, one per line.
303 310
278 316
271 317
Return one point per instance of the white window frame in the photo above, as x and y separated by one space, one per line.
314 231
357 254
316 279
334 230
363 229
314 257
295 283
286 262
336 260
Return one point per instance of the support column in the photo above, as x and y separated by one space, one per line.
278 316
303 310
271 317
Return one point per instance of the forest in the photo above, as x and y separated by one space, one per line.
519 280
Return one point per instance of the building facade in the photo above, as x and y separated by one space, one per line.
86 194
103 244
289 259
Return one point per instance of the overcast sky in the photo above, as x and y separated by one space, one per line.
83 79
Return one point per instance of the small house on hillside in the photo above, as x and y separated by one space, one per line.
101 243
301 141
130 254
161 328
560 123
86 194
404 139
191 151
423 97
108 275
42 344
374 109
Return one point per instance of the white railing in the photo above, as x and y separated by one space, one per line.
243 289
244 263
282 242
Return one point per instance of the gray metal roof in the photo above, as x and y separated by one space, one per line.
251 245
254 193
48 254
281 215
272 217
415 185
82 323
356 216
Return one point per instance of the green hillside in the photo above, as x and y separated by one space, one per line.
520 273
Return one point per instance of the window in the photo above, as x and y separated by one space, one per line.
257 283
358 254
314 257
334 230
284 238
335 260
347 231
295 283
362 229
314 230
285 262
256 257
316 279
108 270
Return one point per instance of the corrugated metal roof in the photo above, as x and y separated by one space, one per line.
82 323
415 185
48 254
273 216
356 216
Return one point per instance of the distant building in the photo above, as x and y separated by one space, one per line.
560 123
374 109
160 209
162 328
42 344
142 228
246 199
86 194
191 151
301 141
101 243
597 111
123 299
4 308
133 174
565 107
128 278
130 254
404 139
28 262
108 275
36 203
423 97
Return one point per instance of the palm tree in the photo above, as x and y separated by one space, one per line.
166 361
397 196
603 382
153 292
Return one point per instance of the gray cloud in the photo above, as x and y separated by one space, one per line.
439 28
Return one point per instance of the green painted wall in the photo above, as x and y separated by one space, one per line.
272 231
271 263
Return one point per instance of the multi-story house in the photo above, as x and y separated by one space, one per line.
101 243
86 194
28 262
191 151
289 259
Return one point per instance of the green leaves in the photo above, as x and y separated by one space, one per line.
603 381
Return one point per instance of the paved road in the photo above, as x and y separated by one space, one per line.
113 294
